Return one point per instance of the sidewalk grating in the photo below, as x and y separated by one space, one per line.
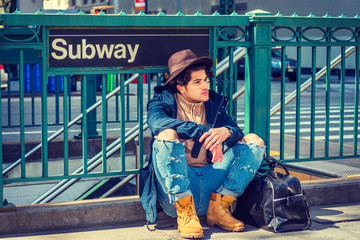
330 168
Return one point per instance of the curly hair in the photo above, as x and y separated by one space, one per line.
185 76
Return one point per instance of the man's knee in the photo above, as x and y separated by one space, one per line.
168 134
253 138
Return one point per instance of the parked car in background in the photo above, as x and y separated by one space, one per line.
290 71
4 78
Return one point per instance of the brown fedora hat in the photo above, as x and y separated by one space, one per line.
183 59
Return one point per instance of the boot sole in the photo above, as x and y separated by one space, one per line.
192 235
229 229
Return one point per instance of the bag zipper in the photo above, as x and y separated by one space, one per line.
285 198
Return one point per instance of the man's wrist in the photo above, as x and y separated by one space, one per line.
230 132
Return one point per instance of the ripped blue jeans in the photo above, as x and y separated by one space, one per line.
176 179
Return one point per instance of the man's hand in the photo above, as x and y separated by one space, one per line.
213 139
217 153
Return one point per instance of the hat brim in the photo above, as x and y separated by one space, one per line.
205 60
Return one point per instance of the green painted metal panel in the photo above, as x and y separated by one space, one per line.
121 20
257 83
256 31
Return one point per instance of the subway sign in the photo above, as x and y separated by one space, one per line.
74 48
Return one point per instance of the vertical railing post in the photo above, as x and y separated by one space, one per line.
258 77
91 99
103 122
22 115
44 105
213 54
1 162
84 125
66 121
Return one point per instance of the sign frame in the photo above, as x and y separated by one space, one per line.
71 48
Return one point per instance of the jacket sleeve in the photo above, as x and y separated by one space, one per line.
159 118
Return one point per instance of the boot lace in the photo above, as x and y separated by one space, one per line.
226 205
189 212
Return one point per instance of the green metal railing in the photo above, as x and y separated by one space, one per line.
252 35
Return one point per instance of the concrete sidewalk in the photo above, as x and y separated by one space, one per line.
329 222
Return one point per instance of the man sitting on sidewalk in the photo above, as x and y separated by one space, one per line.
190 130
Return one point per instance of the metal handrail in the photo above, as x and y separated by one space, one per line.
93 163
72 122
308 82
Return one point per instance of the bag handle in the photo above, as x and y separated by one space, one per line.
272 163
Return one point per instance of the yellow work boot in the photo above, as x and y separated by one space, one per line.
218 213
188 222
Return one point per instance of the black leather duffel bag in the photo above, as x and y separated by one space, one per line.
274 201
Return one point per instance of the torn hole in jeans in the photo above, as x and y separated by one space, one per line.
177 176
172 160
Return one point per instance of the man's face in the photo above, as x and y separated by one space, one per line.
197 89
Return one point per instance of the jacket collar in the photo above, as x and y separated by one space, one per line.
187 106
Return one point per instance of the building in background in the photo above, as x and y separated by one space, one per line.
24 6
56 4
287 7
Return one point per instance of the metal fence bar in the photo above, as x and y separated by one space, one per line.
356 101
327 107
313 101
128 103
122 117
1 161
69 96
22 115
65 126
298 102
57 107
342 101
9 103
117 82
282 100
84 121
44 105
33 94
140 104
103 124
231 82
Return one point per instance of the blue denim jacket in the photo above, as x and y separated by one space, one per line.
161 115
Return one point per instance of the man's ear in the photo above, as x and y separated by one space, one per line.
180 88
